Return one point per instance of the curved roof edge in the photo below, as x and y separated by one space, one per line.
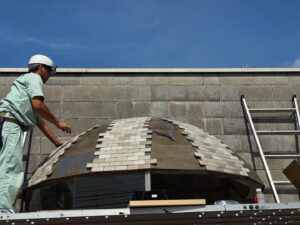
126 144
161 70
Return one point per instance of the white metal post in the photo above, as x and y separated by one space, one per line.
147 181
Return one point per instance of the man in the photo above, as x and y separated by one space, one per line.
22 109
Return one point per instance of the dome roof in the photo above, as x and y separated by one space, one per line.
143 143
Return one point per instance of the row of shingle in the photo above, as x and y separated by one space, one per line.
212 153
126 145
46 169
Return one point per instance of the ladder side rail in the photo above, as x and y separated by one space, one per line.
27 157
24 159
24 139
295 103
297 111
261 153
30 134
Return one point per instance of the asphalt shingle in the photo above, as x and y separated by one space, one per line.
126 145
211 152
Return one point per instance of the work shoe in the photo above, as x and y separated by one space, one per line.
7 211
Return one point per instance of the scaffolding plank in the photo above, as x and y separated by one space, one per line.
181 202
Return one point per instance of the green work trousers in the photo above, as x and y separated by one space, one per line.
11 166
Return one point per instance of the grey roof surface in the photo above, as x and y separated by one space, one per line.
211 153
143 143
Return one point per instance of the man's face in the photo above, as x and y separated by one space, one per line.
46 70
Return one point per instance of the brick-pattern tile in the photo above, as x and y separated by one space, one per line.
126 145
211 152
46 169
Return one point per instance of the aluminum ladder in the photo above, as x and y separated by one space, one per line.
27 138
295 112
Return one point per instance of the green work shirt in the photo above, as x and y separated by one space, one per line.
18 100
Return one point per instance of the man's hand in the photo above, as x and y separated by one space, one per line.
49 133
59 143
63 126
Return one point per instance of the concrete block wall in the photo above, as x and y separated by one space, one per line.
209 99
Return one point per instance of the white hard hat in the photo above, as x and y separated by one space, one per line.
42 59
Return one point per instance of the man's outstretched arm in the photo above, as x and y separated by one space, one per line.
39 105
49 133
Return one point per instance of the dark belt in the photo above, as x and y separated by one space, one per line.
4 116
8 117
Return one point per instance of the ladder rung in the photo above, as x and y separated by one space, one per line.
287 156
281 182
278 132
272 109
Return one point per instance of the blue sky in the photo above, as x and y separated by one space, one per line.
151 33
